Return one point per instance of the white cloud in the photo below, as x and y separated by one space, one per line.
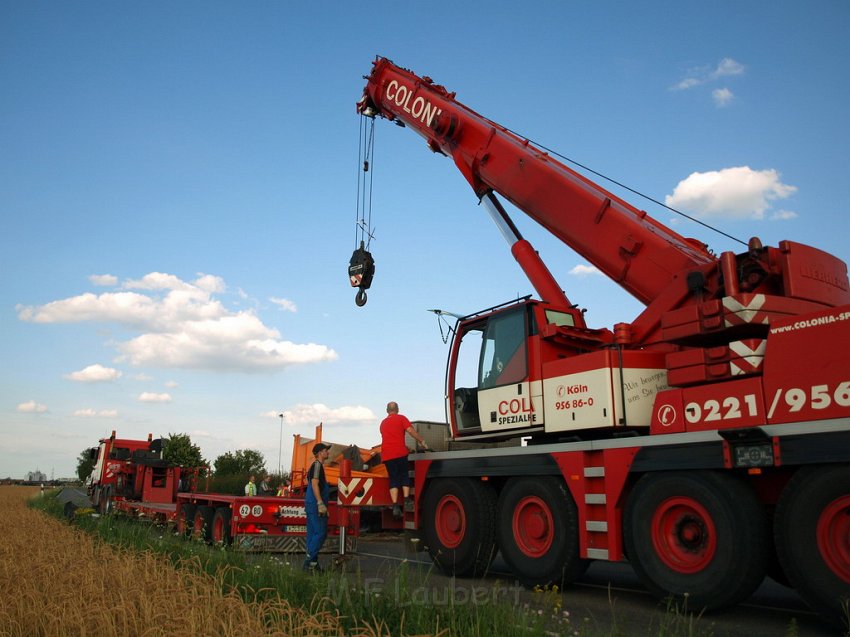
585 270
32 407
732 193
783 215
127 308
687 83
94 374
285 304
722 97
151 397
103 280
182 325
156 281
727 67
171 384
93 413
316 413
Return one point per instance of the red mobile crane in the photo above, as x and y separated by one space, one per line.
707 441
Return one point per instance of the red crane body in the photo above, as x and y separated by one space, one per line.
695 438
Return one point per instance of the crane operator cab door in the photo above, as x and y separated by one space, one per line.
490 386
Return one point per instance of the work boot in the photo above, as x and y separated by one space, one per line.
397 513
311 567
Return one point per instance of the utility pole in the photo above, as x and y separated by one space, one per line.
280 448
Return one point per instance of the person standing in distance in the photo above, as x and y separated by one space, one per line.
251 487
265 487
285 489
316 505
394 453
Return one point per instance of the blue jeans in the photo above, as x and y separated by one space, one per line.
317 531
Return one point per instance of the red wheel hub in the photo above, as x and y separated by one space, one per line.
683 535
533 526
450 521
833 536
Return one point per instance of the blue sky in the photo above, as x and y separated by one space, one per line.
178 188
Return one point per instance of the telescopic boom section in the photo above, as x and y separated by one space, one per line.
627 245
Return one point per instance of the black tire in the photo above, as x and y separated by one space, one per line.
537 531
185 519
220 531
105 506
698 536
202 525
812 532
459 523
774 566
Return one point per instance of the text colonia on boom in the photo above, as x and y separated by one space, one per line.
418 107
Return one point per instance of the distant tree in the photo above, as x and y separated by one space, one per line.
178 449
243 462
85 464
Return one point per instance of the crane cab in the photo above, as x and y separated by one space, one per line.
525 368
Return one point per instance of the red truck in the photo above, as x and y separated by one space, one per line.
706 441
130 477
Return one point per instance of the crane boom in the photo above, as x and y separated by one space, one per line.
656 265
623 242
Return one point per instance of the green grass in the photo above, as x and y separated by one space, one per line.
403 600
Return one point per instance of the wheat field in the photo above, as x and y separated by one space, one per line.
56 580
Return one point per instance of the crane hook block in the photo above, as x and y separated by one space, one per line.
361 269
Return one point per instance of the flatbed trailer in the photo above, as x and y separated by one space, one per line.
259 523
131 478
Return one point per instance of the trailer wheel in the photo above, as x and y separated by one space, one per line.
459 522
221 526
202 524
185 519
698 536
812 531
537 531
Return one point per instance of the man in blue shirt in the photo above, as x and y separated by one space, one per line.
316 505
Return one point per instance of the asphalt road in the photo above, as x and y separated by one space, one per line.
607 595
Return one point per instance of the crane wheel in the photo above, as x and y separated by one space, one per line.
459 522
812 532
537 531
698 536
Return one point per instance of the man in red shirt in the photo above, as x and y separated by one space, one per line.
394 452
